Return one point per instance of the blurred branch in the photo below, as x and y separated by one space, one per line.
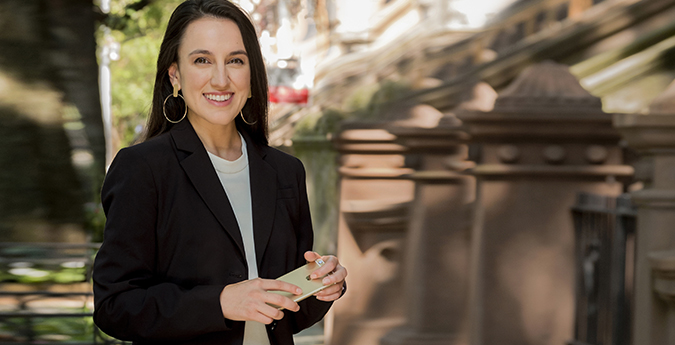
121 21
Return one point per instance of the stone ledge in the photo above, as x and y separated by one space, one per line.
553 170
654 198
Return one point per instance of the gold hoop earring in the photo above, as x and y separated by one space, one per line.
246 122
164 109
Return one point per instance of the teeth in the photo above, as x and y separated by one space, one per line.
219 98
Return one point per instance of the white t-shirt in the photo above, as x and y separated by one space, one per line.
234 176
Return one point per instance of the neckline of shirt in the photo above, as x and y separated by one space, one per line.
231 167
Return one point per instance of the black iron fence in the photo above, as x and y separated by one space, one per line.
605 247
45 294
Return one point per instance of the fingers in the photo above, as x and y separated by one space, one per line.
311 256
333 274
262 299
248 300
338 275
266 314
278 285
330 293
332 270
328 266
278 300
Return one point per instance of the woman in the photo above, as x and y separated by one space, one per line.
203 207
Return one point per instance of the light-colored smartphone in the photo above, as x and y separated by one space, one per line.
300 278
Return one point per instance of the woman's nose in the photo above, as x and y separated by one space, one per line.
220 77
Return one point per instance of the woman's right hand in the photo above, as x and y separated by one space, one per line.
247 300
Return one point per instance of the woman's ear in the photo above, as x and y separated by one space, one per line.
174 77
174 74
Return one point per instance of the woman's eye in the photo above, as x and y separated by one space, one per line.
201 60
237 61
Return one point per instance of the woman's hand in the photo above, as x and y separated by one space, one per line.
247 300
337 276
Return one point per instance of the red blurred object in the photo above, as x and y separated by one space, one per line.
287 94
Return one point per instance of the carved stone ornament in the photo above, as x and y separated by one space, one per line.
546 86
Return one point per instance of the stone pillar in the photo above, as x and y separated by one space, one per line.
374 205
653 137
663 273
437 253
545 140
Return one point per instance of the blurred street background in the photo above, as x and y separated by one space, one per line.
489 171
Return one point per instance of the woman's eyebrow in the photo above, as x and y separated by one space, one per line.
206 52
199 52
239 52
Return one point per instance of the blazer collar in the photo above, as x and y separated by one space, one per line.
263 179
199 169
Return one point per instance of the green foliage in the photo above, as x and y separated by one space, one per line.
369 102
322 175
51 330
377 103
139 27
94 220
361 97
136 18
29 264
61 275
319 124
132 82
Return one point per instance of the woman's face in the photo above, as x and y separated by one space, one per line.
212 71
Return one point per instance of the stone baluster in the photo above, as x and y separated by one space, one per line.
545 140
653 137
437 254
663 278
374 205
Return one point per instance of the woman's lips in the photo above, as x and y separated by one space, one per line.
218 99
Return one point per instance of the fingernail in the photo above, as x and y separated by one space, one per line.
326 281
298 291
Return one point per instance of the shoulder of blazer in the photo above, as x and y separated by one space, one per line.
157 154
159 143
280 158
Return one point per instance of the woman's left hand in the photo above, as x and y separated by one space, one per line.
334 274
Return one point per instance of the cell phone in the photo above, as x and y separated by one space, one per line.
300 278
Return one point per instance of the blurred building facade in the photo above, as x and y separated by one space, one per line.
461 150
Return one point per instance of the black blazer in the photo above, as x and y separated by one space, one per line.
172 242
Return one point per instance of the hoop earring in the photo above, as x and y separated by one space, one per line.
246 122
164 109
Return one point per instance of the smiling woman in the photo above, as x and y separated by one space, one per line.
204 215
213 73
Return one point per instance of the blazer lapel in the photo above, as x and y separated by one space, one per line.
263 196
197 165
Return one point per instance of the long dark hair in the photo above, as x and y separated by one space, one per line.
255 108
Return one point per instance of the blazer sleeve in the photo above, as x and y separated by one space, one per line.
131 302
311 309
